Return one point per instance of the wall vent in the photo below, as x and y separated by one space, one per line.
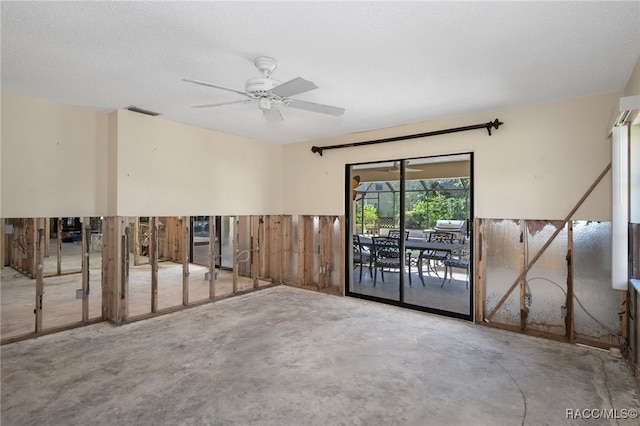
142 111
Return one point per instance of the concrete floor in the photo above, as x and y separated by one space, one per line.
285 356
60 306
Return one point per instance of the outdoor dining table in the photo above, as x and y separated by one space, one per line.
419 245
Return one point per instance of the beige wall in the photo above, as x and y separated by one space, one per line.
536 166
53 159
64 161
166 168
59 160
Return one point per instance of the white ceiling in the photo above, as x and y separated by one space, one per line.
386 63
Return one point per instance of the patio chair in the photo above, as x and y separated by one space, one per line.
432 257
361 256
395 233
458 259
386 254
412 257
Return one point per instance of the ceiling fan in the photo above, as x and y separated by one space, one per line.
395 168
270 94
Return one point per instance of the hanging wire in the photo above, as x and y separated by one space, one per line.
528 293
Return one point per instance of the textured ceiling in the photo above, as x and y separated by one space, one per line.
386 63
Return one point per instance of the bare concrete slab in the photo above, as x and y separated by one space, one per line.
285 356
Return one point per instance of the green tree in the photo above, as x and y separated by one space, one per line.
418 216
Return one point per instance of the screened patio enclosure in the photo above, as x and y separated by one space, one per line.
413 198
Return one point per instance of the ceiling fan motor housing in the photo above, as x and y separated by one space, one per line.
260 85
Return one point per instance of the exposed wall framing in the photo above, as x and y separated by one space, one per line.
308 252
313 252
562 297
114 270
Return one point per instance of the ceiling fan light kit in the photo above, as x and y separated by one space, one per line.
271 93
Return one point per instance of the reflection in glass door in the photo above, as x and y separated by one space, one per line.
200 240
424 205
376 256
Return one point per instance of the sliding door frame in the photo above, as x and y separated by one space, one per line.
349 229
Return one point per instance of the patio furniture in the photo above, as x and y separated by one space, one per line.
361 256
386 254
433 256
458 259
421 246
395 233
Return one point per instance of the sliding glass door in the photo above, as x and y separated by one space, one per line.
375 211
410 235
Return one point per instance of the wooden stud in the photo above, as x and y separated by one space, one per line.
135 235
286 255
478 282
213 246
569 318
18 231
153 261
301 251
549 241
32 261
253 247
276 252
107 261
311 250
236 247
324 245
114 275
624 314
522 255
3 244
59 248
47 234
265 236
325 232
86 226
123 308
318 247
38 225
186 234
279 251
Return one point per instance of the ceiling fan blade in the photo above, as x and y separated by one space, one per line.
313 107
222 103
293 87
215 86
272 114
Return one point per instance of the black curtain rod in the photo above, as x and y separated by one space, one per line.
496 123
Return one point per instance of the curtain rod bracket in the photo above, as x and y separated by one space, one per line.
495 124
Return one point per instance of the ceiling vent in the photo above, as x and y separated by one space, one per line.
142 111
